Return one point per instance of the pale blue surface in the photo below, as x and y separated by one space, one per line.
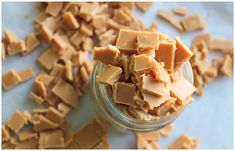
209 117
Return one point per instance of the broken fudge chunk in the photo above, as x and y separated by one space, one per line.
51 139
166 54
16 121
141 63
110 75
124 93
10 79
147 40
192 23
184 142
182 54
150 85
70 20
107 55
127 40
66 93
181 89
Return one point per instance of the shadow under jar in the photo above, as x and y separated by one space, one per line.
110 114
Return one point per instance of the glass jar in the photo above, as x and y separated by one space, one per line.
111 115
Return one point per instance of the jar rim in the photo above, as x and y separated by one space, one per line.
117 116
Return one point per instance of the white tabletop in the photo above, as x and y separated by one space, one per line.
209 117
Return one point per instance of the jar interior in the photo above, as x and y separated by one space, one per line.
115 115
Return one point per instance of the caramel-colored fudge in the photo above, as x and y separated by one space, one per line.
192 23
70 20
147 40
180 10
66 93
110 75
16 121
184 142
182 54
127 40
166 54
107 55
10 79
124 93
181 89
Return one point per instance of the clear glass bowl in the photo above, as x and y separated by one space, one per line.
111 115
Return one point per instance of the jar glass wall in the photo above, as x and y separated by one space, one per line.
109 112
